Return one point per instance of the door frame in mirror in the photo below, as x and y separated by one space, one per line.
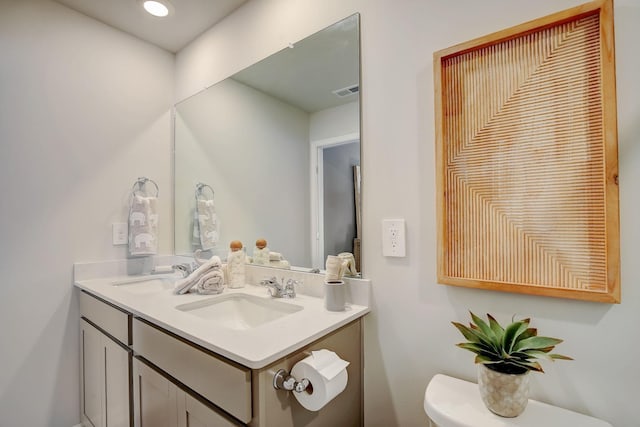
317 191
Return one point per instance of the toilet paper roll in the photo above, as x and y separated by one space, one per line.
322 390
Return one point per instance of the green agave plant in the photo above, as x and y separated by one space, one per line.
510 350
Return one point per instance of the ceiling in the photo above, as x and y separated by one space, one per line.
306 74
189 19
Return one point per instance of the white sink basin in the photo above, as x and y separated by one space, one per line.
143 285
239 311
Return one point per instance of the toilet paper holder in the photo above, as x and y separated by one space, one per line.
282 380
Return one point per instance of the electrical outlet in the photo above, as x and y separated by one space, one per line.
120 233
393 237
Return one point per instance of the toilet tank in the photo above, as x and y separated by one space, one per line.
451 402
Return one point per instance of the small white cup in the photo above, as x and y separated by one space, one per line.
334 299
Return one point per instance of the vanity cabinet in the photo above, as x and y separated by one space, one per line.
279 408
105 367
136 373
159 402
222 382
232 389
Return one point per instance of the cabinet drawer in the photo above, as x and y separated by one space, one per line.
225 384
110 319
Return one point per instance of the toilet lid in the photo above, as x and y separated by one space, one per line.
451 402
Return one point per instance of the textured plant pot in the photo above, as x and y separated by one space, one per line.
506 395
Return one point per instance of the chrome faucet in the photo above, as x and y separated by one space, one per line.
280 289
185 269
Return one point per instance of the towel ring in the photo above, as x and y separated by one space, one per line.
200 190
140 184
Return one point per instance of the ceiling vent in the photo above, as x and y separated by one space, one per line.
346 91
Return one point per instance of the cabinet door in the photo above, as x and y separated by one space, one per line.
116 384
91 375
104 379
155 403
193 413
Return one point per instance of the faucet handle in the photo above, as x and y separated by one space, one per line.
269 281
290 288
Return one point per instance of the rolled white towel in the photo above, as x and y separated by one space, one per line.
183 286
211 282
275 256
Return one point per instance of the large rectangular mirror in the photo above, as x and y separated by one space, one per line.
278 147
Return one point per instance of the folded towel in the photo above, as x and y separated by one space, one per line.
143 225
350 268
183 286
275 256
283 263
207 224
211 282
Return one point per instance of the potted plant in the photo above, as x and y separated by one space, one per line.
505 357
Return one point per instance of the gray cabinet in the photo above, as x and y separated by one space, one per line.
135 373
104 379
158 402
105 364
222 382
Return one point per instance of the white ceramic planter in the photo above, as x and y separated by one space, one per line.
506 395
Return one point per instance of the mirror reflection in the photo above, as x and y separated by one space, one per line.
273 152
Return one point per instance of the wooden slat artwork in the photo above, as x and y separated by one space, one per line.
524 202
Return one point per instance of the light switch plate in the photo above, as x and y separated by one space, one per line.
120 233
393 238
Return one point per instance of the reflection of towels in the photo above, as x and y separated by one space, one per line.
283 263
143 225
275 256
211 282
183 286
351 263
205 224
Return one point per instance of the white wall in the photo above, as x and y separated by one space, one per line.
336 121
84 111
253 150
408 334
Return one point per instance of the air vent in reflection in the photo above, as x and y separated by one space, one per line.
346 91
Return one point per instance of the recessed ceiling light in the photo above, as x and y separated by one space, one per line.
156 8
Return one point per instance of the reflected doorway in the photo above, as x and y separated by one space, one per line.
335 213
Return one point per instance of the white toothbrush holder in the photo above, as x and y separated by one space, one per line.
334 298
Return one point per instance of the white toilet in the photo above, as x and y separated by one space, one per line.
451 402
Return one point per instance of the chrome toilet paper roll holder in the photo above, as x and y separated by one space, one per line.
282 380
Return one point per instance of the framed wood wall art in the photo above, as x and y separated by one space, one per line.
527 161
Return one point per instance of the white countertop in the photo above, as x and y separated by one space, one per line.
254 348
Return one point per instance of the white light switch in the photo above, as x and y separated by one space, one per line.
120 233
393 237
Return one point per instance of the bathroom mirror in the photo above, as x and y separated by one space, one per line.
278 143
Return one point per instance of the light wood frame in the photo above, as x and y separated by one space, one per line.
527 158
